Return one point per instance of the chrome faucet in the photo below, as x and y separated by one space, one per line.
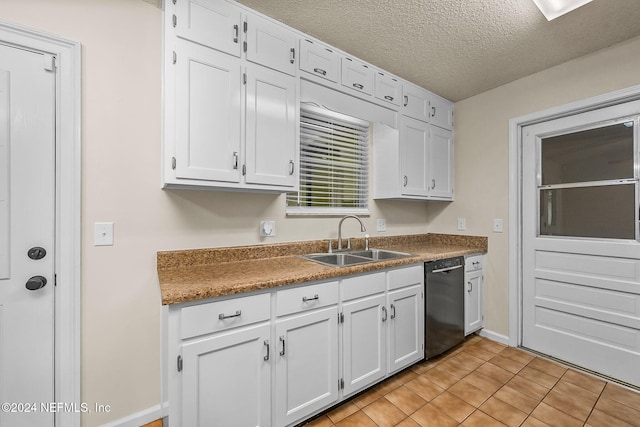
362 228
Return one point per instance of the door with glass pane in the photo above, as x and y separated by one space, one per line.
581 255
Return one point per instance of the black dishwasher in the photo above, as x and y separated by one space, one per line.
444 305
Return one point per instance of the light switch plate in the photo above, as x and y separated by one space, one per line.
103 234
462 224
381 224
497 225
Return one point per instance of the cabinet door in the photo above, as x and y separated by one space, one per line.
357 76
406 327
208 97
271 45
415 102
473 304
271 128
306 354
440 112
363 342
414 149
227 379
440 163
319 60
388 88
212 23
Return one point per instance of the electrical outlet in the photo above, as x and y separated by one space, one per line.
462 224
103 234
267 228
497 225
381 224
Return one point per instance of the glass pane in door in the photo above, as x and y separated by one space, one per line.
600 154
606 211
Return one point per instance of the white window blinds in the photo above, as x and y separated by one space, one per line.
334 164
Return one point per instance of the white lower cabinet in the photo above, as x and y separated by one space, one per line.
278 357
406 327
227 379
474 295
363 318
306 358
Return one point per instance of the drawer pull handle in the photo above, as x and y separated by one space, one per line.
307 299
388 98
223 316
266 343
358 86
320 71
283 345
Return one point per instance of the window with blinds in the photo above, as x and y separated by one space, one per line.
334 164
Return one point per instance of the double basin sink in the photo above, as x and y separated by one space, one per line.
354 257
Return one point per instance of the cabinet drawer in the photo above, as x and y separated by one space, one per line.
357 76
220 315
388 88
295 300
359 286
405 277
473 262
319 60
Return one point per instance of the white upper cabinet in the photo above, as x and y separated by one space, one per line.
231 99
415 102
357 75
212 23
440 112
232 81
319 60
414 153
271 113
388 88
440 163
271 45
420 104
207 115
414 162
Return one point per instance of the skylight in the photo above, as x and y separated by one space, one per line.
551 9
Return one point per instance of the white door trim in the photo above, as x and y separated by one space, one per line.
68 207
515 189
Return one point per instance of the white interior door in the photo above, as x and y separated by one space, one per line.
581 255
27 228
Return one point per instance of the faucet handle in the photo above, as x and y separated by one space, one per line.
366 242
330 250
349 243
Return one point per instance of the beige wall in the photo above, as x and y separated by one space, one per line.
121 182
482 152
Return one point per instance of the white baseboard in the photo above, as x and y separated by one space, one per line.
494 336
139 418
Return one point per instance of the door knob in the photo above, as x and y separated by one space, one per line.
36 282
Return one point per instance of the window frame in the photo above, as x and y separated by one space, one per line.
340 119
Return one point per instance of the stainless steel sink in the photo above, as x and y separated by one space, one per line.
345 259
337 260
380 254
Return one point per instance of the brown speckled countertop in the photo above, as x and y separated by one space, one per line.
190 275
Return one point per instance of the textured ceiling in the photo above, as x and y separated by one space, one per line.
458 48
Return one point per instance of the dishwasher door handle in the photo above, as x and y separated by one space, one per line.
445 270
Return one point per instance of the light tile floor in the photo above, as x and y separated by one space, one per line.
482 383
